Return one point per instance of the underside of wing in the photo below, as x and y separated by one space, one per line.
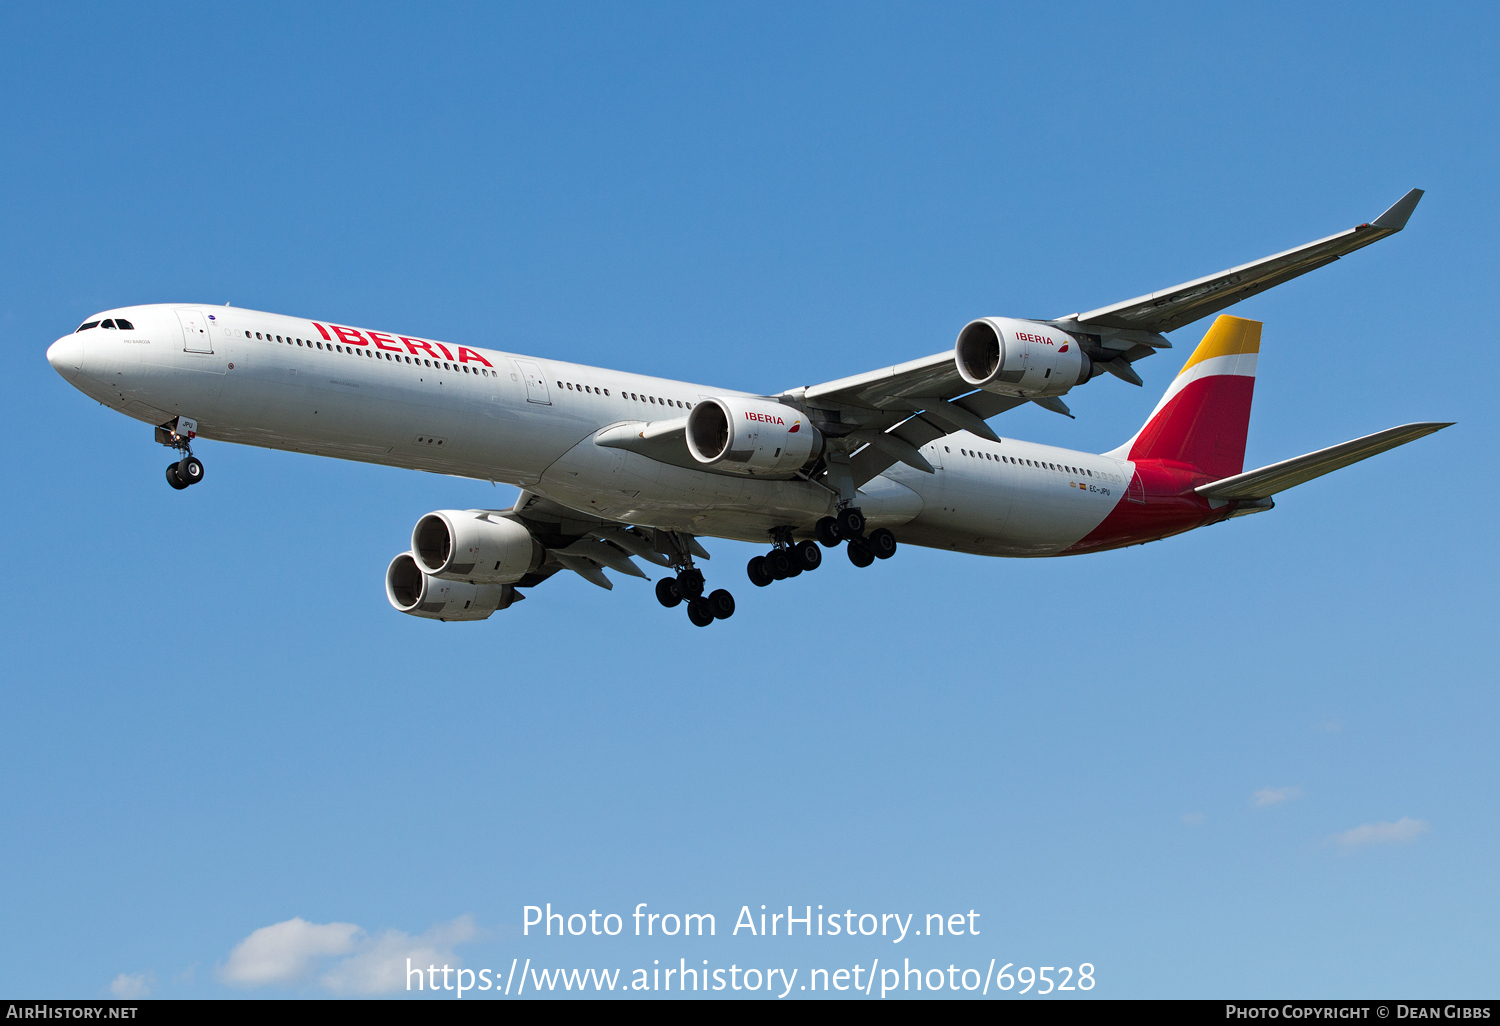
588 545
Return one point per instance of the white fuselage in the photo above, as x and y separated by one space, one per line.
277 382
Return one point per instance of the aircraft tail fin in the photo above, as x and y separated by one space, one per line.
1204 417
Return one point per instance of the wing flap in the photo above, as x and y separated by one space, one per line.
1267 481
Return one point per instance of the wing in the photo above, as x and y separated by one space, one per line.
896 410
1278 477
889 414
588 545
1182 304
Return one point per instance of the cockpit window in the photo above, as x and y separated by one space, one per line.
108 324
86 325
123 324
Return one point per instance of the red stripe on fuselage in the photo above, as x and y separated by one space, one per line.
1170 507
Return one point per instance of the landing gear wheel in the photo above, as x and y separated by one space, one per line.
851 522
690 583
807 556
779 564
860 554
190 470
882 543
667 593
172 478
721 604
760 576
828 532
700 613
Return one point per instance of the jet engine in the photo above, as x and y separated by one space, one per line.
418 594
1026 359
751 436
474 546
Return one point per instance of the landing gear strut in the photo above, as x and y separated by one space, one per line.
189 469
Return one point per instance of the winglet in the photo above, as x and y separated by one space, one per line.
1395 218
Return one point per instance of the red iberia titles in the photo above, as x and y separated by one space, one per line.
399 344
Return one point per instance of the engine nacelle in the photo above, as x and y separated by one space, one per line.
1020 358
474 546
418 594
751 436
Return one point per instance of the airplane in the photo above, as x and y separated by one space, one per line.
615 466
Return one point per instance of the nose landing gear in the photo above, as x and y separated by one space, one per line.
179 434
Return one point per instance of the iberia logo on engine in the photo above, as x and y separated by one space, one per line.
764 418
1026 336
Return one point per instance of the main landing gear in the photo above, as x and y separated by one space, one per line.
687 587
786 559
849 526
189 469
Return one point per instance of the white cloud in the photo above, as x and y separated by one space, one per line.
1402 831
1193 818
1274 796
380 965
286 953
298 952
130 985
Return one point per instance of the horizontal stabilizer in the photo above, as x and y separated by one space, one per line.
1278 477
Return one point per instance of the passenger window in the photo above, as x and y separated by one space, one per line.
947 450
570 386
87 325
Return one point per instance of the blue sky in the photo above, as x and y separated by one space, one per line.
1149 760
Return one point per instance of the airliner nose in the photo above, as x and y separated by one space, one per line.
66 356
